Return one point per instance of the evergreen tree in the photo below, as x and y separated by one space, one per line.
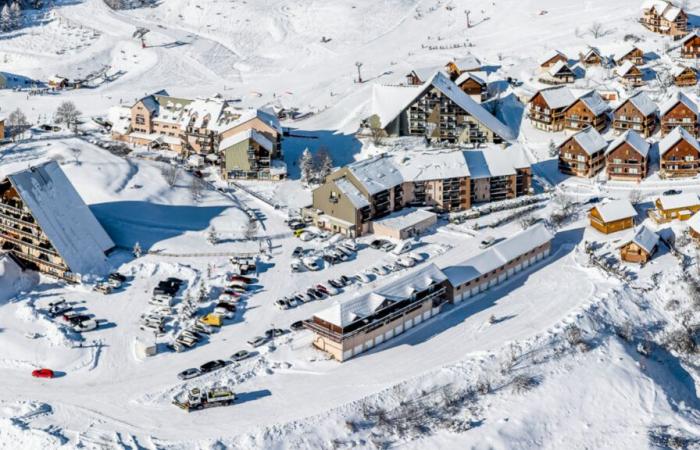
5 18
137 250
553 150
306 165
324 164
15 16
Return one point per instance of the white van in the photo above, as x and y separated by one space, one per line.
402 247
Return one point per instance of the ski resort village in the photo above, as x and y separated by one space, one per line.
307 224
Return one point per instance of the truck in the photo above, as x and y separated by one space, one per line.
206 398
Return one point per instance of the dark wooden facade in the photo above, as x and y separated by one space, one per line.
625 163
691 47
633 77
628 117
685 78
574 160
474 89
680 115
657 22
681 160
544 117
579 116
635 56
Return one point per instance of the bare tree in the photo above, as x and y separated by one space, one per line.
251 229
596 29
67 114
171 173
377 135
196 189
17 123
636 196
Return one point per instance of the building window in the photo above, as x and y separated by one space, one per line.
140 119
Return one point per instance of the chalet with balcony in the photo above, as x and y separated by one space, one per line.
672 207
690 45
249 155
350 328
663 17
640 248
638 113
591 57
438 110
558 73
679 111
629 53
473 85
612 216
46 226
552 58
679 154
630 75
589 110
546 108
684 76
627 157
583 154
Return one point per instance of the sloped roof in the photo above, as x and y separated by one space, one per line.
389 101
594 102
468 62
624 50
424 73
674 137
376 174
678 201
62 215
642 103
679 97
689 36
634 140
615 210
645 238
345 313
353 194
625 68
694 222
678 70
431 165
662 8
592 51
251 134
494 162
498 255
467 75
551 54
557 97
558 68
590 140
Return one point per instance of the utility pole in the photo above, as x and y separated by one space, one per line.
468 13
358 64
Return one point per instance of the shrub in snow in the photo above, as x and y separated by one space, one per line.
573 335
680 341
522 383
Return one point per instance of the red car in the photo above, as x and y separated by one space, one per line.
42 373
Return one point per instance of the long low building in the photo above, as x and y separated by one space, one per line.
347 329
449 180
498 263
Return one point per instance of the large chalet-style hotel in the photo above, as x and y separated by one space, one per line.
46 226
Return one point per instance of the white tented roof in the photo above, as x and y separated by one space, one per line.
645 238
615 210
62 215
590 140
635 141
498 255
495 162
550 55
345 313
679 201
674 137
351 192
241 136
642 102
558 68
558 97
678 98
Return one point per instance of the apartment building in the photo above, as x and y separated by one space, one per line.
638 113
583 154
627 158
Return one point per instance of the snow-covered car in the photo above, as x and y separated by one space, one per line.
297 326
188 374
327 289
377 243
257 341
86 325
298 252
350 245
336 284
282 303
388 246
296 265
274 332
415 257
345 254
240 355
405 261
306 236
364 277
311 263
487 242
103 288
402 247
379 270
224 312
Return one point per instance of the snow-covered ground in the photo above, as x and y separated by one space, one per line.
521 380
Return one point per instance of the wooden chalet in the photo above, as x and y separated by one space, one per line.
546 108
583 154
684 76
473 85
627 158
46 226
636 113
468 63
679 111
612 216
661 16
672 207
58 82
690 46
640 248
589 110
591 57
679 154
630 75
558 73
416 77
552 58
629 53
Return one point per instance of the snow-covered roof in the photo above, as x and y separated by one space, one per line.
694 222
424 73
615 210
62 215
468 62
623 51
498 255
679 201
693 34
431 165
625 68
674 137
645 238
377 174
469 75
405 218
558 97
663 8
120 118
592 51
558 68
590 140
678 98
634 140
494 162
550 55
642 103
347 312
594 102
389 102
353 194
241 136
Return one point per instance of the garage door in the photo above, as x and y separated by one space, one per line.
426 315
475 290
502 277
519 267
347 355
389 334
546 252
379 339
418 319
540 256
492 282
369 344
357 350
511 271
398 330
532 260
408 324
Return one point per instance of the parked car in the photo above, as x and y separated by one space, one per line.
306 236
116 279
402 247
487 242
212 366
274 332
86 325
673 192
363 277
335 284
227 306
405 261
298 252
240 355
350 245
311 263
331 259
380 270
297 326
314 294
103 288
282 303
344 253
345 280
224 312
388 246
43 373
296 265
377 243
257 341
188 374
